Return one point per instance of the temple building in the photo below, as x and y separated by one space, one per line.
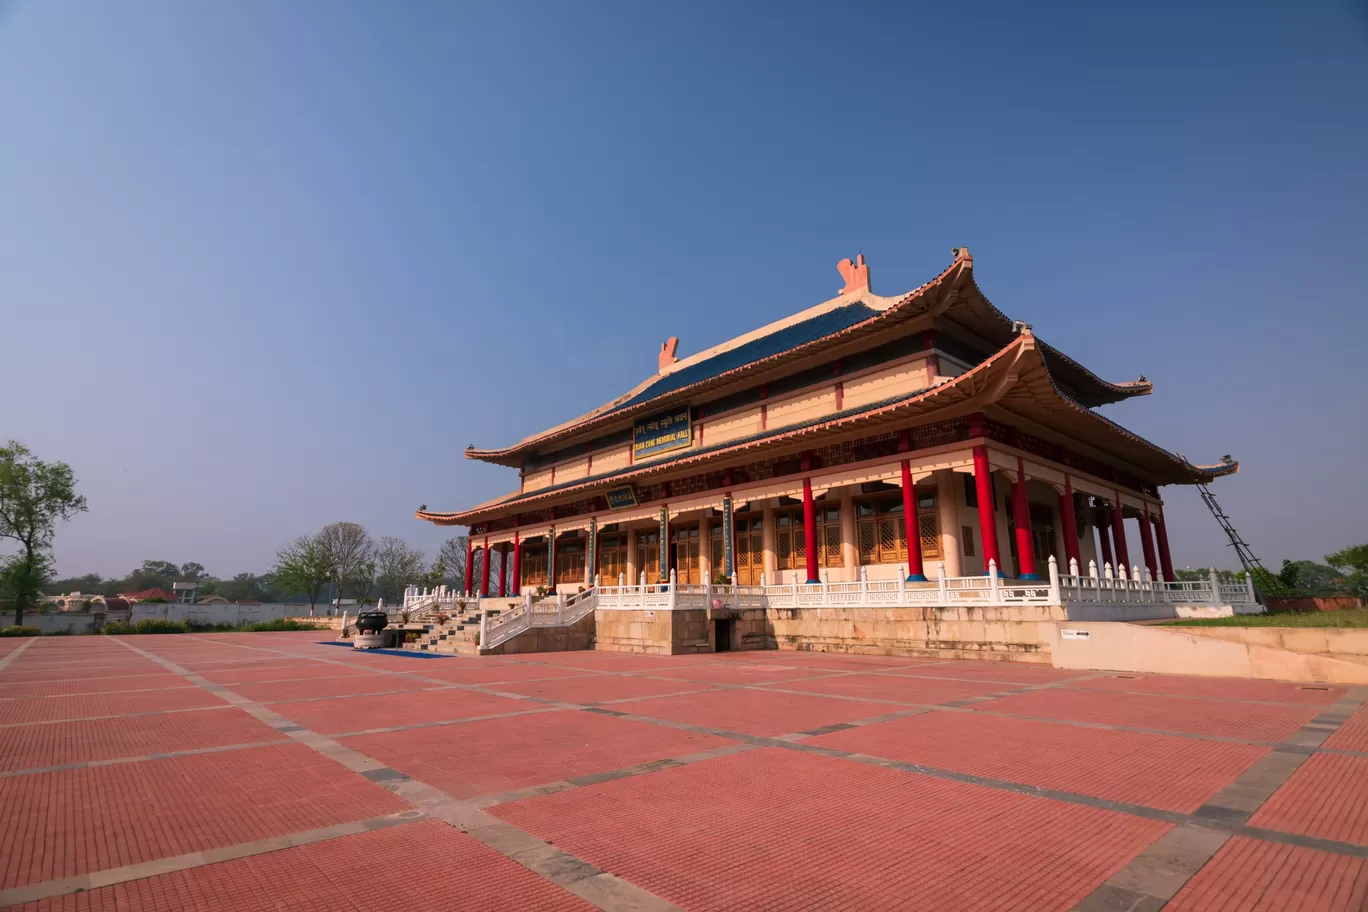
867 438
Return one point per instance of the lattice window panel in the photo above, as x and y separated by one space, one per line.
929 528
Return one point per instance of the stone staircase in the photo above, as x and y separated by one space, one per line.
458 636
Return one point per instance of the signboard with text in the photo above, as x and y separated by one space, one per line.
662 433
621 498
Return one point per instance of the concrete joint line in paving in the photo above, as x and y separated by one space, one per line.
16 652
93 693
116 761
1238 801
795 741
111 876
579 877
1156 875
442 723
133 715
641 769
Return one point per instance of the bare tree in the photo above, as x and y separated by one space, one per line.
453 559
397 566
348 551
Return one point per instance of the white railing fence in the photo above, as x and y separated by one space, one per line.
944 591
992 590
558 612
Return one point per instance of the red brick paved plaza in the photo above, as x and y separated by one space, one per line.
277 771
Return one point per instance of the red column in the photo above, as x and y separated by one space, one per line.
515 582
484 571
1021 511
915 572
1165 558
983 487
810 531
470 566
1147 544
503 569
1069 521
1103 520
1119 534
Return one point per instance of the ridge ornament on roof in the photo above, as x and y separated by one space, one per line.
856 274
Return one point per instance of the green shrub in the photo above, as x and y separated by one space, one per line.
58 633
15 631
278 624
146 625
158 625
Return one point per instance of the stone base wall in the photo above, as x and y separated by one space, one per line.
579 635
1020 633
1008 634
659 632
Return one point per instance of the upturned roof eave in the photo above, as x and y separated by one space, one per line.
1091 389
1171 468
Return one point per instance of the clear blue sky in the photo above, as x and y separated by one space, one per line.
268 265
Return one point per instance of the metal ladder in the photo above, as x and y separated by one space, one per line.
1242 549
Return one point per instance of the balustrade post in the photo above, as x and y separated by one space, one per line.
941 591
1249 588
1092 569
993 583
1215 587
1161 588
1054 582
674 588
484 630
1073 566
1107 572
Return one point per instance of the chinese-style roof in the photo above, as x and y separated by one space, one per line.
1016 379
766 346
952 296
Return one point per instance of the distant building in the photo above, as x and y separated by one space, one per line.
148 595
185 592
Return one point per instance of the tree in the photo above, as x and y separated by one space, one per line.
397 566
452 557
1353 561
347 548
153 574
20 576
302 568
90 584
244 587
192 572
34 497
433 576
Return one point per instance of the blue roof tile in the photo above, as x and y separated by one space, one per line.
782 340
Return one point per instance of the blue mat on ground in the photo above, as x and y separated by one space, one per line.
393 652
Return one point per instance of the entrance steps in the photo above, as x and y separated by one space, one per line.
459 635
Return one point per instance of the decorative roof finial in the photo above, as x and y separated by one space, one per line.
1021 328
856 274
667 353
